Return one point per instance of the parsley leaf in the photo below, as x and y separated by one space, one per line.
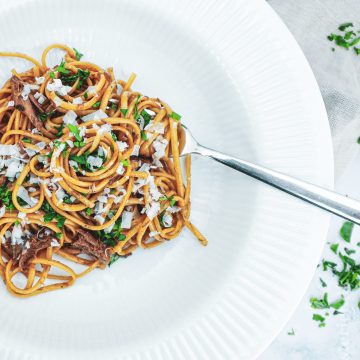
323 283
338 303
124 111
320 303
169 198
321 319
346 230
334 248
60 131
88 211
113 257
97 104
74 129
344 26
291 333
78 54
125 162
26 140
61 68
175 116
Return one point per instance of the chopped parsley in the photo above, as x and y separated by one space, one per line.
61 68
321 319
81 74
52 75
5 197
86 95
78 54
75 131
320 303
334 248
346 230
169 198
291 333
97 104
26 140
59 235
114 107
125 162
113 257
45 115
143 135
124 111
175 116
88 211
60 131
323 283
113 136
347 39
114 236
50 214
136 111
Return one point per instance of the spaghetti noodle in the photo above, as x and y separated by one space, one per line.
89 172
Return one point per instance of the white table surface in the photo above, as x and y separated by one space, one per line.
339 339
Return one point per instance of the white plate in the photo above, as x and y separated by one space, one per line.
241 83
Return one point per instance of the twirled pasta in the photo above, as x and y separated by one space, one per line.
89 169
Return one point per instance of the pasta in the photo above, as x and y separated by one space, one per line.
89 171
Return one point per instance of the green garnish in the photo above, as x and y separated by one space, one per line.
349 251
344 26
114 107
291 333
136 112
78 54
321 319
359 304
88 211
52 75
346 230
113 257
323 283
124 111
334 248
61 68
97 104
86 95
60 220
125 162
5 197
17 222
320 303
44 116
169 198
143 135
75 131
82 75
60 131
357 52
338 304
113 136
26 140
175 116
59 235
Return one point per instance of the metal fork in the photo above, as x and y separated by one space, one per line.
331 201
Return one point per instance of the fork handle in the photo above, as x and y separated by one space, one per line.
331 201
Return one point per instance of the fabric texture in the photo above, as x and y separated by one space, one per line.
337 72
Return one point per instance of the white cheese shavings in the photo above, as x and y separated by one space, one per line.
126 219
27 90
114 101
173 209
2 212
57 101
14 169
155 128
96 115
102 151
99 219
91 90
70 118
54 243
9 150
23 194
60 194
108 229
120 169
58 87
122 145
153 233
21 215
40 80
135 151
10 103
77 101
70 143
41 145
159 145
153 210
94 162
167 220
16 235
106 128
